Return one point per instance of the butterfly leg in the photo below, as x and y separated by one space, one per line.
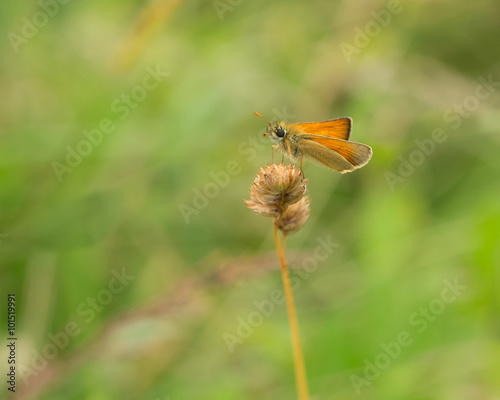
300 163
273 152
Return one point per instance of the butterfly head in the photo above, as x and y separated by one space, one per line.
276 131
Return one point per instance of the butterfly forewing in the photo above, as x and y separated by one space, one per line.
339 128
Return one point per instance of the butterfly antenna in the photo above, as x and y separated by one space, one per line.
258 115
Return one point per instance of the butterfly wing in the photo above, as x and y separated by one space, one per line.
339 128
341 155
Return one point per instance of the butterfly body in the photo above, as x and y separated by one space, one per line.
326 143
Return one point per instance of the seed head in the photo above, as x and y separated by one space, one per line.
294 217
278 191
275 188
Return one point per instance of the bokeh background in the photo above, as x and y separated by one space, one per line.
404 227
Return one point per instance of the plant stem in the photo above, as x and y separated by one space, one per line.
300 369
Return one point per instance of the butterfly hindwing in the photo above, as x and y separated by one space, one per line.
342 155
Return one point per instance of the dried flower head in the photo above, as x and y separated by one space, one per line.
294 217
278 191
276 187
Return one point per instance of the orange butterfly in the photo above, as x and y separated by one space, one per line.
325 142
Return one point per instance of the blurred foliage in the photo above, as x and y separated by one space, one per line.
120 206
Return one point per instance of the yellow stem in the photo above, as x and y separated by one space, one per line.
300 369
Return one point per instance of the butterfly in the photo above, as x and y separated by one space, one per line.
325 142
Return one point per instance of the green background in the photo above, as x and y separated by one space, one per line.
403 226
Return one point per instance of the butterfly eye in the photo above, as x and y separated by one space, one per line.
280 132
